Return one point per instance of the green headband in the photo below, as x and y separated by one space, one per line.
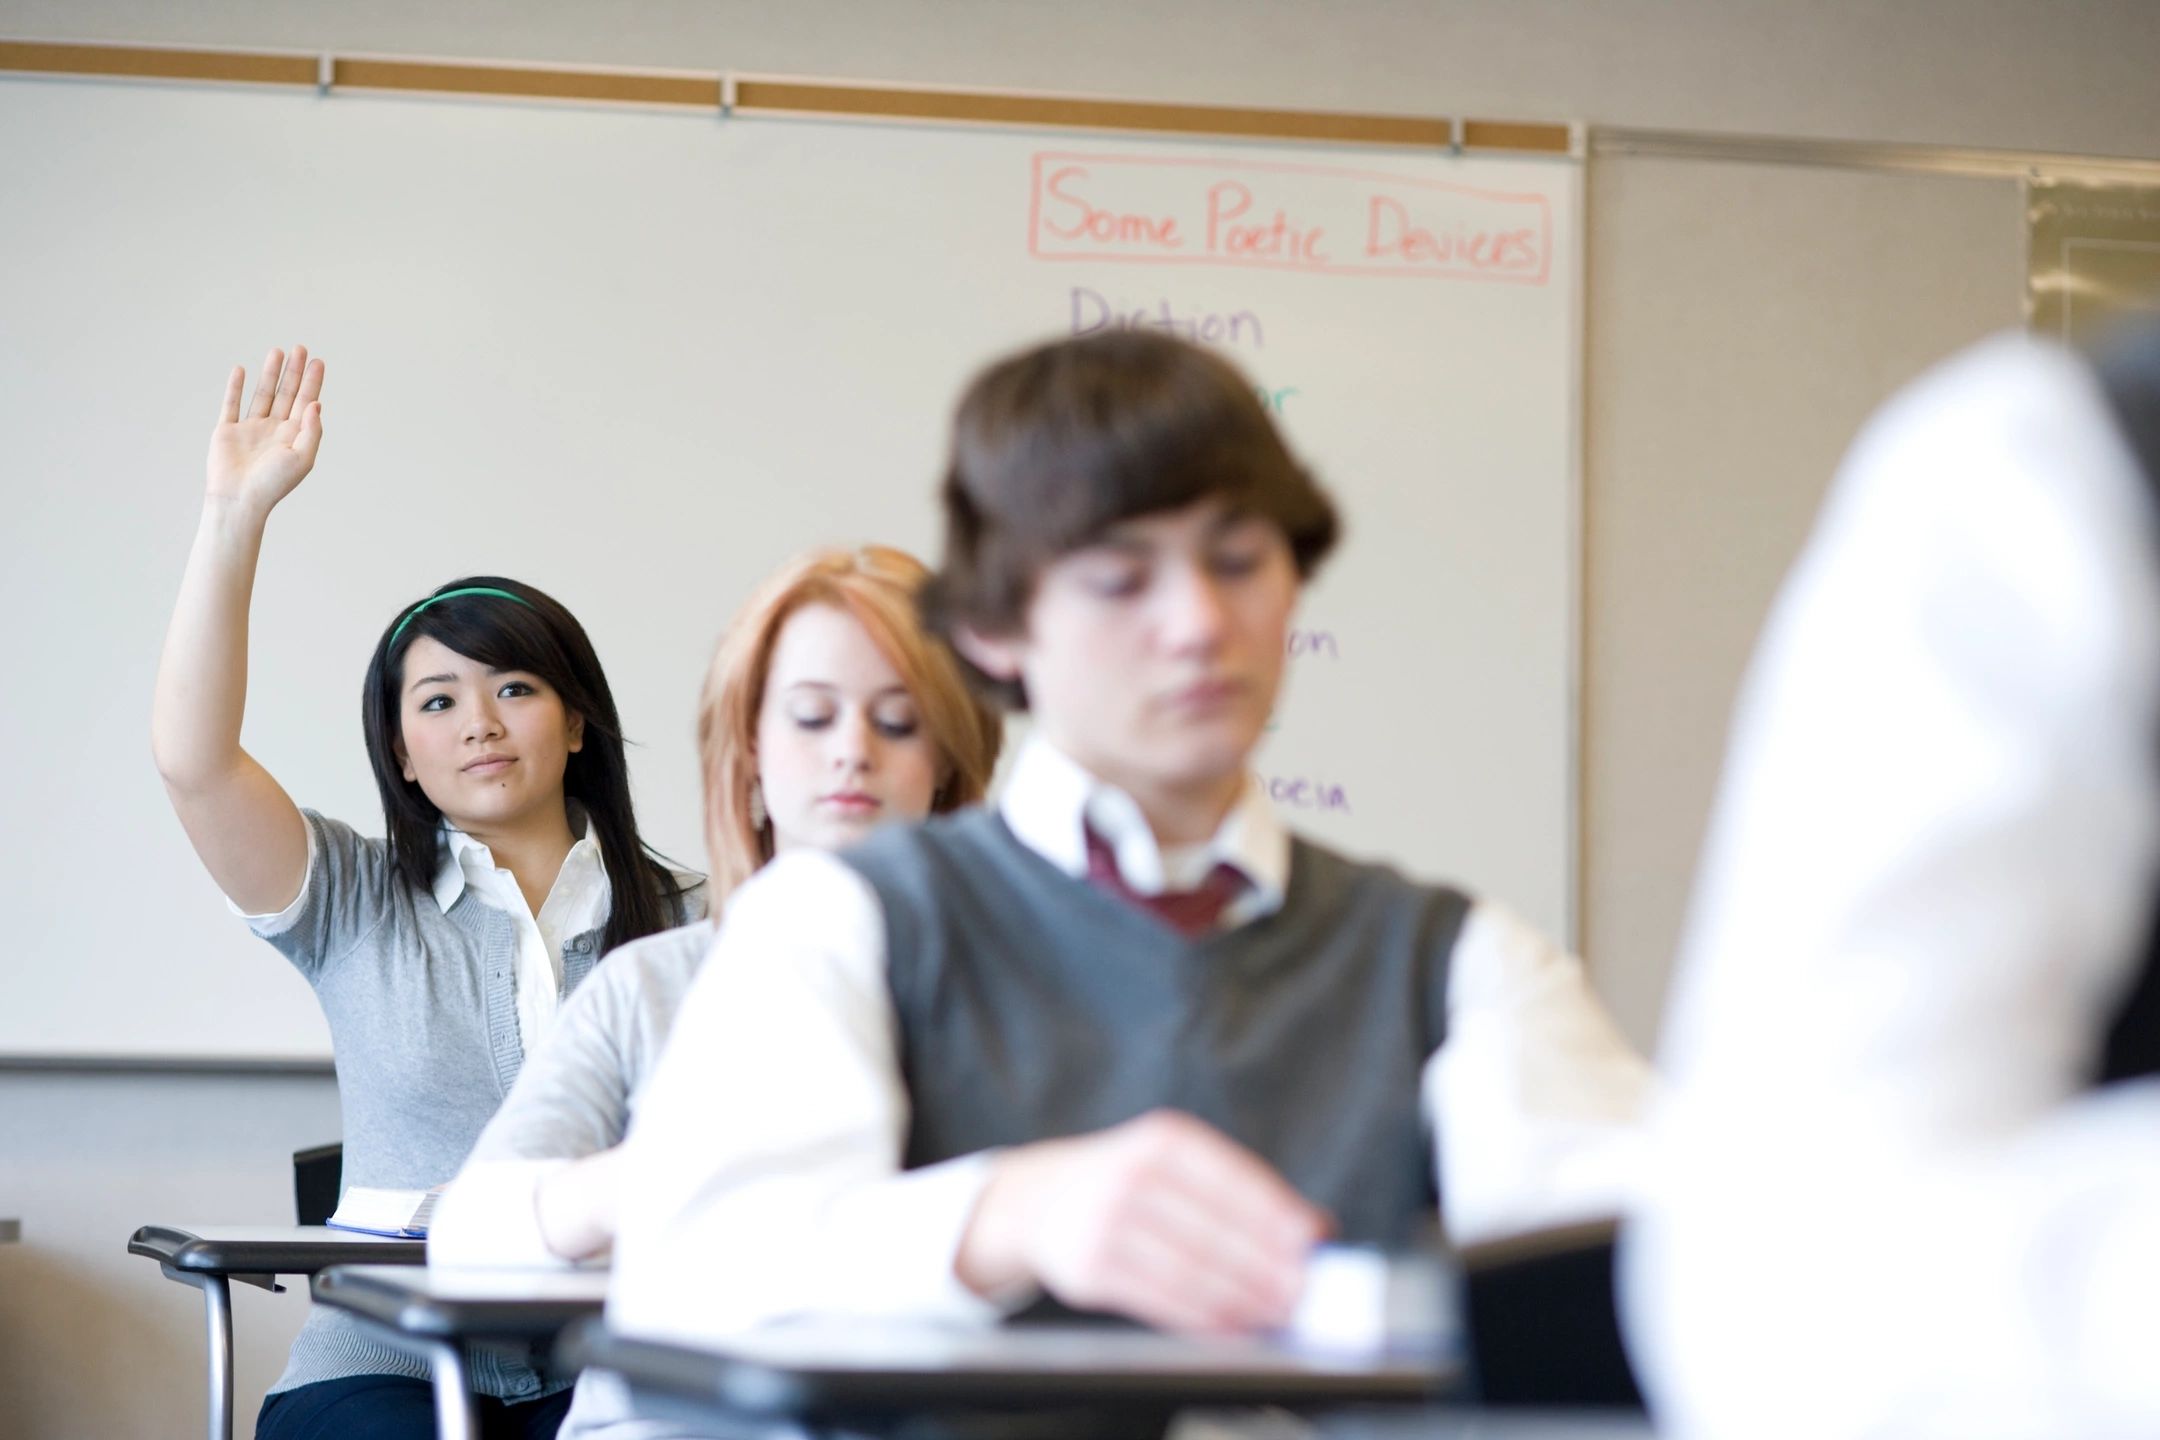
452 595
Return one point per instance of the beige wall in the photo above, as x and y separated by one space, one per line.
1741 321
2016 73
93 1341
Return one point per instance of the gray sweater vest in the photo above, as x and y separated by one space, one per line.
1032 1005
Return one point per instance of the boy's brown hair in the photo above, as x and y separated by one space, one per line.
1053 446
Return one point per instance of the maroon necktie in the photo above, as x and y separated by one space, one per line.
1191 913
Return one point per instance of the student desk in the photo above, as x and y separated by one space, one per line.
875 1373
443 1314
1470 1423
211 1258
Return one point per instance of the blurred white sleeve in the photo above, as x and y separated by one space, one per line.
763 1164
1890 1202
1537 1099
490 1216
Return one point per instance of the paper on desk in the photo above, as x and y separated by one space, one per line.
1361 1300
372 1211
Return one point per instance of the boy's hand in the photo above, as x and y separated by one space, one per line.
257 458
1163 1218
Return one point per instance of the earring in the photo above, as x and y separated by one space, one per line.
757 806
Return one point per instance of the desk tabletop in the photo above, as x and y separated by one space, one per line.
449 1303
828 1367
1472 1423
269 1249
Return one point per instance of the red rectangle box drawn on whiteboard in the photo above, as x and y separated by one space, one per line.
1252 215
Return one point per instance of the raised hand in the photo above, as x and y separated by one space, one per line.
257 457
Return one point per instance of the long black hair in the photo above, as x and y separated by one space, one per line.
541 637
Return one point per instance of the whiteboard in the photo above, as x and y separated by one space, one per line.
638 359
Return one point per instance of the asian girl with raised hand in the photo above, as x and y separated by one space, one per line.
441 953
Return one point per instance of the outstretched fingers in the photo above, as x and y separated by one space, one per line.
304 444
266 383
236 382
288 385
311 378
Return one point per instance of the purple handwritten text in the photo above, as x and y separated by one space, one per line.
1092 311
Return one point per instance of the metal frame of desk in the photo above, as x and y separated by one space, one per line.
439 1314
211 1258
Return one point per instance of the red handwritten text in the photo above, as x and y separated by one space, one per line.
1320 219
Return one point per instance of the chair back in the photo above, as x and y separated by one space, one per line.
317 1177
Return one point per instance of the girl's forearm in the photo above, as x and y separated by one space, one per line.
202 673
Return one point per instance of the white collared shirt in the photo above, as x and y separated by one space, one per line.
763 1167
1046 790
1889 1204
577 901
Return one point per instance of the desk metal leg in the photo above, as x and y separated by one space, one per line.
454 1416
217 1315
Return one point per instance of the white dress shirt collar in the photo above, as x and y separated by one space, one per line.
466 861
578 901
1051 802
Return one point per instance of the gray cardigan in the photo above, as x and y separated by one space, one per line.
422 1005
575 1097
